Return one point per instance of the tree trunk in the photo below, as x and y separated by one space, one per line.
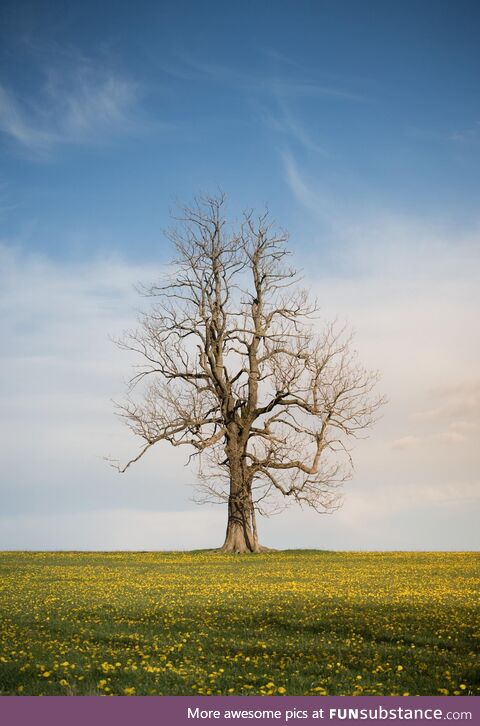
241 535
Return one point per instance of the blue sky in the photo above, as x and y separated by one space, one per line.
359 125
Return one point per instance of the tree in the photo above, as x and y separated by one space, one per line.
232 367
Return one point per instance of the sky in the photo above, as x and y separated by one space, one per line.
359 125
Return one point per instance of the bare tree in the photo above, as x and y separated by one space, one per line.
233 368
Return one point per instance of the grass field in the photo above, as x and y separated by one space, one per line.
294 622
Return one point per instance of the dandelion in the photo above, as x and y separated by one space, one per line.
117 617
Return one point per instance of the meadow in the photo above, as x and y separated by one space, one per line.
293 622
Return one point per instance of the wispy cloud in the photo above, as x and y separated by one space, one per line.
461 400
455 415
288 85
367 231
75 105
280 119
275 90
449 437
304 191
466 136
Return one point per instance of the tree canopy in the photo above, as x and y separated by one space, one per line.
235 365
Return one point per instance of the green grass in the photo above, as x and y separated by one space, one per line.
294 622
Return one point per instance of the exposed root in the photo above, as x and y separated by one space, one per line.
229 550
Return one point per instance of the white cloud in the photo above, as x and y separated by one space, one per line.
405 442
75 105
